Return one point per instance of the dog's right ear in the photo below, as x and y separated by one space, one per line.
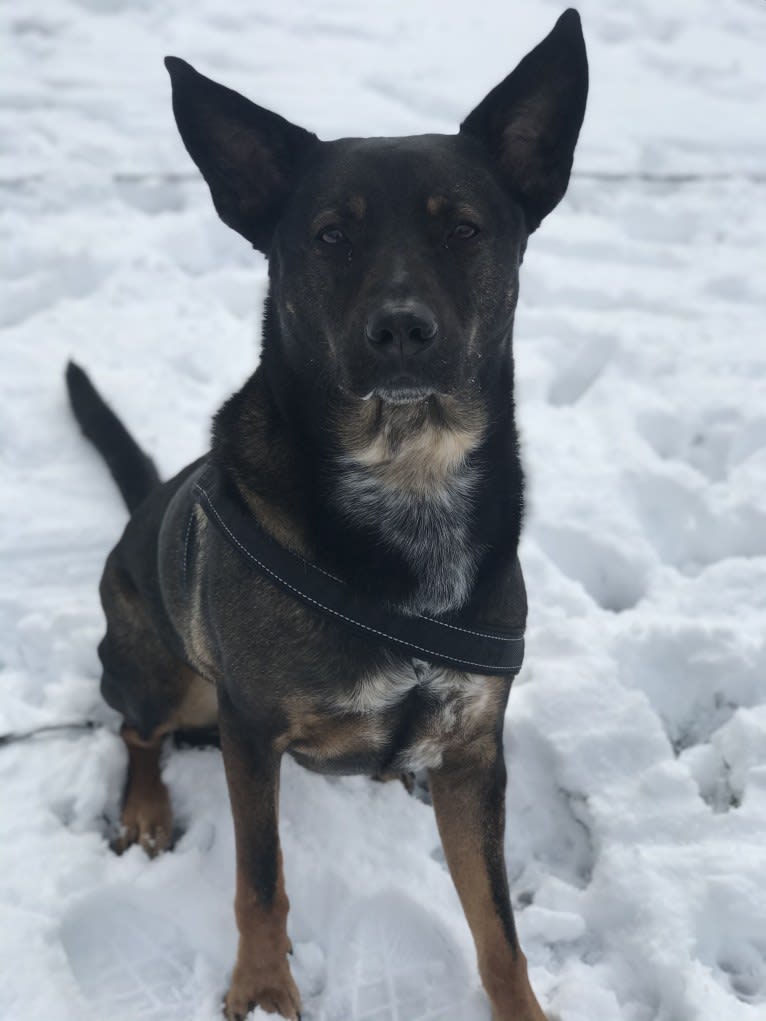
531 120
247 155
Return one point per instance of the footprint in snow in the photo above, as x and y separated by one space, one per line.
686 528
389 960
129 961
613 576
745 969
712 442
581 370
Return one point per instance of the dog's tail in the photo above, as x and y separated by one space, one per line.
132 469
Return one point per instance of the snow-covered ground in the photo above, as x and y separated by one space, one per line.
636 734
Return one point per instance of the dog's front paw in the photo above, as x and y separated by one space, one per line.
273 991
522 1011
147 821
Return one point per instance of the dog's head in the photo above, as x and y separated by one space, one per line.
394 261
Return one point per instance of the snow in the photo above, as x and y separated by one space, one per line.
636 734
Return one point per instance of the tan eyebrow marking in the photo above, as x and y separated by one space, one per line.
466 212
358 206
435 204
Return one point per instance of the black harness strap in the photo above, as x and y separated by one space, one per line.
450 644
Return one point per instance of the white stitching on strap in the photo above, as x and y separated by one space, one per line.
186 540
467 631
421 616
429 652
415 616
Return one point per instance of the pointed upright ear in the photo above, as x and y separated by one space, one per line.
247 155
530 121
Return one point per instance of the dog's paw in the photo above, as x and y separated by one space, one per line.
147 822
524 1009
139 964
536 1015
275 992
516 1016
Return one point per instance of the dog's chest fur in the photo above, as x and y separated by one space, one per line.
413 485
399 719
454 702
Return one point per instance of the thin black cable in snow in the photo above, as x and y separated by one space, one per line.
26 735
681 177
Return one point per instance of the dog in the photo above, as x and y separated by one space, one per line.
372 457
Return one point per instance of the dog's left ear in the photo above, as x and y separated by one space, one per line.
248 156
530 121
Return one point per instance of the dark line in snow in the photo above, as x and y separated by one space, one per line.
607 176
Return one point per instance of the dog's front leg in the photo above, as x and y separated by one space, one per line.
261 975
468 793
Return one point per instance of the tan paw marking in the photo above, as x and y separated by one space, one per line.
147 822
273 991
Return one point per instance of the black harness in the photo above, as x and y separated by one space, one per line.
451 644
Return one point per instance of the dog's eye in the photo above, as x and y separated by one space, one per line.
331 236
464 231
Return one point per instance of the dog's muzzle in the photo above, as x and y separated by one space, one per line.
401 334
398 332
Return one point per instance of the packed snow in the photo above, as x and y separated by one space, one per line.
636 733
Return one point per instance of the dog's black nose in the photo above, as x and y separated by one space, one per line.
405 328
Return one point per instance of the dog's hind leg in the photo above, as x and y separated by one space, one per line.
147 817
157 694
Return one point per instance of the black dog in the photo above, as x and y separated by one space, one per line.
342 566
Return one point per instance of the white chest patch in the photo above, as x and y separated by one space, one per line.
418 499
459 705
